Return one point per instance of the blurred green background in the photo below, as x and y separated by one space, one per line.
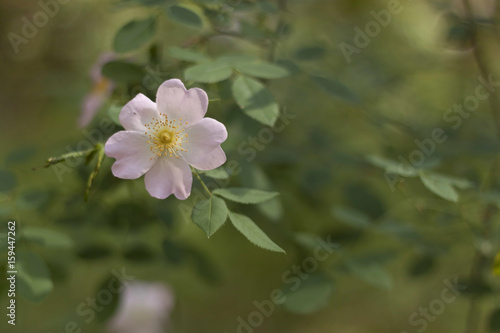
403 82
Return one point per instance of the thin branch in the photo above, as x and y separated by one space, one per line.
201 181
480 260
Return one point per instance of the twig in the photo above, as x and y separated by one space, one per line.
480 260
201 181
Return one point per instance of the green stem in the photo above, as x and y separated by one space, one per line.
54 160
480 261
201 181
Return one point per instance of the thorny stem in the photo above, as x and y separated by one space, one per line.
480 259
201 181
55 160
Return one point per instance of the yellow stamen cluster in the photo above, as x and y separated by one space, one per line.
101 86
165 136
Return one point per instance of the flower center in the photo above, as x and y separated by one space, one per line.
166 137
101 86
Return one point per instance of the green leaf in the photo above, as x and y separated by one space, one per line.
33 199
210 214
218 173
336 89
121 71
459 32
20 155
139 253
256 177
397 228
310 53
134 35
255 100
262 70
391 166
352 217
94 250
235 59
444 186
268 7
312 294
208 72
245 195
460 183
253 233
8 181
421 265
114 113
272 209
33 278
187 55
290 66
306 240
219 20
373 274
174 252
185 15
47 237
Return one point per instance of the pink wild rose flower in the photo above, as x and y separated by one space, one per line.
162 139
144 307
102 88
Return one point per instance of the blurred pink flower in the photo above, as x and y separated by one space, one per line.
101 90
144 308
162 139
